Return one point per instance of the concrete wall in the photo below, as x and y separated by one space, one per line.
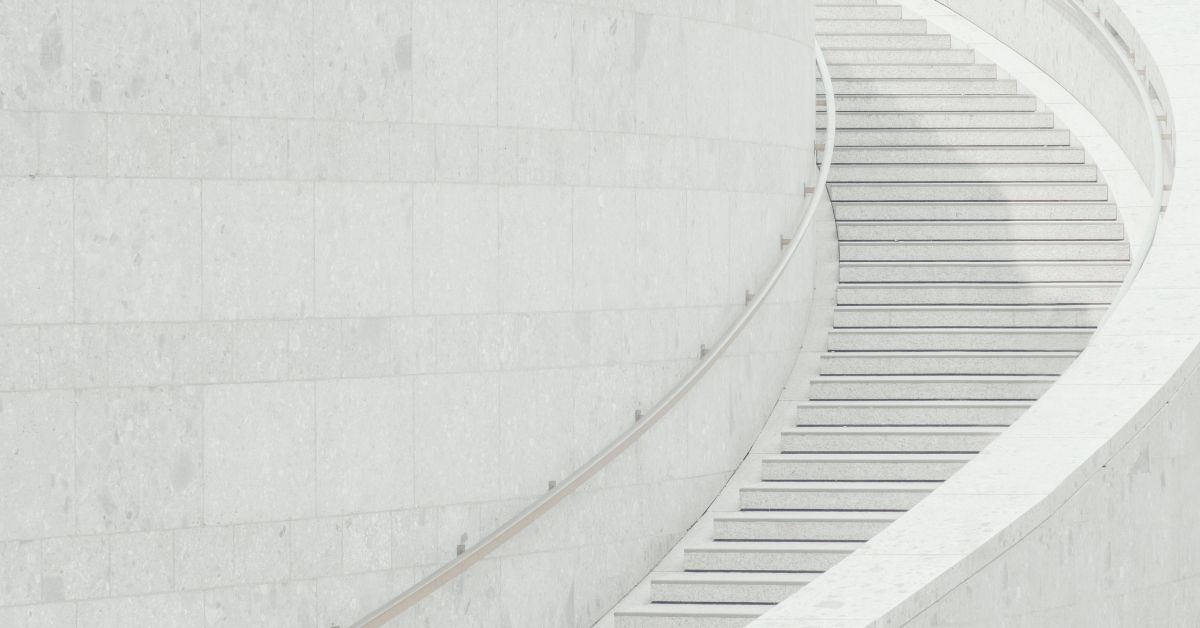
298 295
1120 552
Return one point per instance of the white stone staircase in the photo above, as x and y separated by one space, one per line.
978 250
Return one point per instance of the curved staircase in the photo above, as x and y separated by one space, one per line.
978 250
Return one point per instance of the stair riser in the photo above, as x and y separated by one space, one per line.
720 593
830 500
1047 230
914 71
760 561
825 389
1061 294
859 13
939 121
911 56
886 42
963 317
883 273
796 531
950 137
852 415
849 340
979 156
870 27
680 621
861 471
952 173
920 87
860 102
909 443
980 251
882 212
968 192
982 364
847 3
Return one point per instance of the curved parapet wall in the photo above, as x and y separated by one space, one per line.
1062 38
297 297
1083 512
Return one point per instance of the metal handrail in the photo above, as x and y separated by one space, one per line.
526 517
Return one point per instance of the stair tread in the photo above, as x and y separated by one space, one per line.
807 515
945 355
908 403
749 611
883 429
902 285
964 330
733 577
845 486
933 309
772 547
979 263
868 457
934 378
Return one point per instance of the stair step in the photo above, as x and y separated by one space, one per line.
880 212
912 71
947 363
949 137
833 42
940 120
878 496
846 3
800 525
984 250
873 12
909 412
855 467
930 439
958 339
967 316
916 387
839 27
906 56
776 556
979 157
725 588
922 87
967 272
686 615
969 230
947 103
977 294
961 173
890 192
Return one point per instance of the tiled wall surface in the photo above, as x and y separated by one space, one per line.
298 295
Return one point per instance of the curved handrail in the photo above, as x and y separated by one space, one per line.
526 517
1158 181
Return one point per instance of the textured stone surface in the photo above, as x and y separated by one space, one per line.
295 295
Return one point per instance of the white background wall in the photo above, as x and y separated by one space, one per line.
297 295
